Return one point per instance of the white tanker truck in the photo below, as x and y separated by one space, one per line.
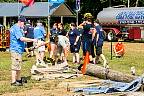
127 23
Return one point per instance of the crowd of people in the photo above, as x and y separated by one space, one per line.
89 35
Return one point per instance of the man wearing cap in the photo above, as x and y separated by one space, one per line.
88 36
39 34
17 40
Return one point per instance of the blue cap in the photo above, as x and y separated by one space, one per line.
22 19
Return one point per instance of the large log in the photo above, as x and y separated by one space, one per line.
104 73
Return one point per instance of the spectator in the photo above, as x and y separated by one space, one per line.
99 43
63 43
74 37
119 49
88 37
39 34
29 34
53 34
17 40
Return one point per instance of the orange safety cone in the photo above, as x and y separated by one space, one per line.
86 61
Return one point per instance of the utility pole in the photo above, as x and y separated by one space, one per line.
136 3
77 10
110 3
128 3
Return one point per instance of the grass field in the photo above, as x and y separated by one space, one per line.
134 56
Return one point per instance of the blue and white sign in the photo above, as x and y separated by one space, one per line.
78 5
131 17
56 1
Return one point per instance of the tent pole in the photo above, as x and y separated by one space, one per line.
61 19
48 18
4 21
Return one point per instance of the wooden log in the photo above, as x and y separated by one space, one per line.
104 73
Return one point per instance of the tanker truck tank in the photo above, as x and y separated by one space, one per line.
119 19
132 15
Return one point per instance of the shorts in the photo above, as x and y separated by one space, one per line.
63 41
16 59
29 44
59 50
75 48
98 50
86 44
52 40
41 48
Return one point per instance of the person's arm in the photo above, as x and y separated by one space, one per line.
93 33
115 49
77 38
19 36
43 30
24 39
82 24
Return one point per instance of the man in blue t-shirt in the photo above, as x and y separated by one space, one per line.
17 40
99 43
39 34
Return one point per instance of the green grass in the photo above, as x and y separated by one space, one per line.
133 57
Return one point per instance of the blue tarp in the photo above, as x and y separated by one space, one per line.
112 86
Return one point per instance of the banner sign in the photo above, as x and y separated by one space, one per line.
56 1
131 17
78 5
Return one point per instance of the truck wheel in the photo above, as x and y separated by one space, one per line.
111 36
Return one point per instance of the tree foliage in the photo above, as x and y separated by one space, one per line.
95 6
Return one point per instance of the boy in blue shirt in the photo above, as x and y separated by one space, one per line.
74 37
39 34
99 43
17 40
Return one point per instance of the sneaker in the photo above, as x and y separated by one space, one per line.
16 84
59 61
23 80
37 63
19 81
42 65
51 60
80 66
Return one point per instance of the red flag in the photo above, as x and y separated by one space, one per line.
27 2
86 61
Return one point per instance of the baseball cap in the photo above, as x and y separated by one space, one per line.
22 19
39 21
88 15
